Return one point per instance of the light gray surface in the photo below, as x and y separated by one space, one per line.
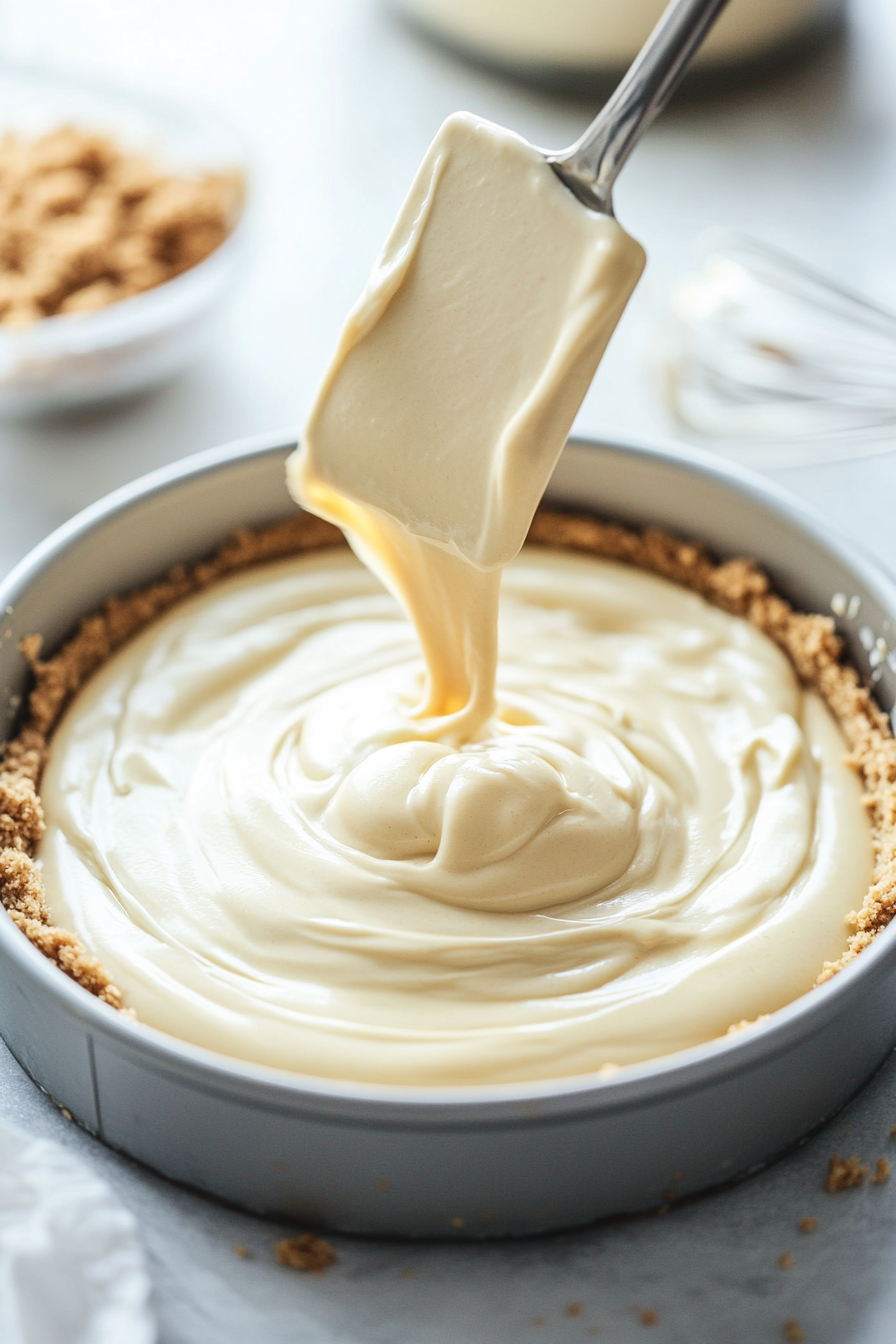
809 163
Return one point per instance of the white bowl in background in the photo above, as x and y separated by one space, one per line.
580 46
87 358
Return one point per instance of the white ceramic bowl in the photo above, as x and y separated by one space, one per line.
583 45
453 1162
76 360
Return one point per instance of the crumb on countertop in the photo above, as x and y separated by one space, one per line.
882 1169
792 1331
306 1252
785 1260
808 1224
845 1173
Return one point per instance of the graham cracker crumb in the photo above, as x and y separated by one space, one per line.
241 1252
737 586
306 1252
845 1173
747 1022
785 1260
649 1317
792 1331
574 1309
882 1171
808 1224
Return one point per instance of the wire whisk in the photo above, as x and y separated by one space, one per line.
766 353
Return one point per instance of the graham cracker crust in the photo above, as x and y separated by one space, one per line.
736 586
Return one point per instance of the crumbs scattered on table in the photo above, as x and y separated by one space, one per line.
649 1317
574 1309
307 1252
882 1171
793 1331
785 1260
845 1173
808 1224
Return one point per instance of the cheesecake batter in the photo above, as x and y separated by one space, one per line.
653 836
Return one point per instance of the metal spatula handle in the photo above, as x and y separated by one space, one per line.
590 166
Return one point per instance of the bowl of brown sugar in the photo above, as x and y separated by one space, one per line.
121 234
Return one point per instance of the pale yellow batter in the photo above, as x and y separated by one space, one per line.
654 837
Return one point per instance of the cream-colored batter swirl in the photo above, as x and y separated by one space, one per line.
653 836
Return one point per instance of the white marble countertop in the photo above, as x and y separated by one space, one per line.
338 102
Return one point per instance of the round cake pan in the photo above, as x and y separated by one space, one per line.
461 1162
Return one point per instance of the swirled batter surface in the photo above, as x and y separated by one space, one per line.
654 835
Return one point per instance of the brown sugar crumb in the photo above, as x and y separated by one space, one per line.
785 1260
241 1252
649 1317
845 1173
882 1171
306 1252
84 223
808 1224
737 586
792 1331
574 1309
